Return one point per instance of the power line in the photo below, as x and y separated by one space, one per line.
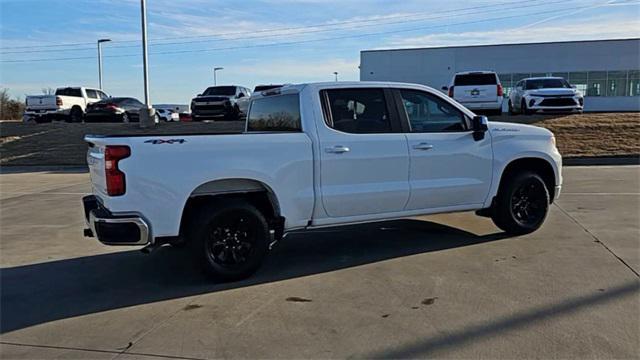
282 29
303 41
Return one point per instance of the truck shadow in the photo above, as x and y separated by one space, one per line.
40 293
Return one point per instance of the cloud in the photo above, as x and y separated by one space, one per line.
587 29
300 71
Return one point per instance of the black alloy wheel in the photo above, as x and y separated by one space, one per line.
230 238
529 203
522 203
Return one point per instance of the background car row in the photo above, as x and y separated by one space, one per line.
482 91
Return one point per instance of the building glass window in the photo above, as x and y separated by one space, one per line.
564 75
579 80
597 83
616 83
519 76
634 83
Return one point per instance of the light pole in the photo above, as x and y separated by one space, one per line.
336 74
100 41
215 81
147 114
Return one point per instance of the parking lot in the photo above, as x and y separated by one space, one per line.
447 286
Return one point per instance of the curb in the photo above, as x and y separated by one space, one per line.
601 160
11 169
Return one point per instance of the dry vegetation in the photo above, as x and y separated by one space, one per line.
601 134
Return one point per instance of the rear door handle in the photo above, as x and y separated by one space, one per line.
338 149
423 146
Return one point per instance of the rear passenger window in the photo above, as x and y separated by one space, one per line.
428 113
275 113
92 94
475 79
357 111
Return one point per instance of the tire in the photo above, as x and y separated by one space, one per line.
524 110
229 239
233 114
522 204
75 115
511 111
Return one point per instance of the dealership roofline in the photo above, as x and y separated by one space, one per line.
491 45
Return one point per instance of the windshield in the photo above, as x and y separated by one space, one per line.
475 79
220 90
547 84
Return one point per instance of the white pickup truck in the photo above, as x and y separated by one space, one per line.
317 155
68 103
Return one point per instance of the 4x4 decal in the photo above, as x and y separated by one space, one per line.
163 141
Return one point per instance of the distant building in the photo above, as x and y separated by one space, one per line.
606 71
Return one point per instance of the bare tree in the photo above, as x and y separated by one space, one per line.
48 91
10 109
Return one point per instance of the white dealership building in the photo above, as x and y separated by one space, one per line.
606 71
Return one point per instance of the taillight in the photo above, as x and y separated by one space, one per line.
58 101
115 178
499 90
451 91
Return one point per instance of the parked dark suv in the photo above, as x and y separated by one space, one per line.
220 102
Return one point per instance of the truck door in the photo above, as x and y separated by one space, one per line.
448 167
364 157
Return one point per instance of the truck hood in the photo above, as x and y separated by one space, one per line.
510 129
552 92
211 98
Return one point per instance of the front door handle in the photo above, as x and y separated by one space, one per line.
338 149
423 146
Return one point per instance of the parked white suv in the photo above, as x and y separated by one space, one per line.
68 103
546 94
316 155
477 90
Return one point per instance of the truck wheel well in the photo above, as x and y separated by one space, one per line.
262 200
537 165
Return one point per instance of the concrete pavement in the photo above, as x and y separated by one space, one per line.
446 286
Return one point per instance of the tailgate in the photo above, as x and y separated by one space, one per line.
476 93
95 161
41 102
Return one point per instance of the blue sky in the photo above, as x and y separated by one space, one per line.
266 41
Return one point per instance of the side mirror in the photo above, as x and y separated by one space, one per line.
199 95
480 124
445 88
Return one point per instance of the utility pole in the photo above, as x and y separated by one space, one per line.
336 74
215 80
100 41
147 115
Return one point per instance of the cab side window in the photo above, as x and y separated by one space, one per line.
357 111
91 94
429 113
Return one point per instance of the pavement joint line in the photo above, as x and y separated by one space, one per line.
598 240
98 351
133 342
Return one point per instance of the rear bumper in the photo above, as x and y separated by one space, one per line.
112 229
493 105
46 112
